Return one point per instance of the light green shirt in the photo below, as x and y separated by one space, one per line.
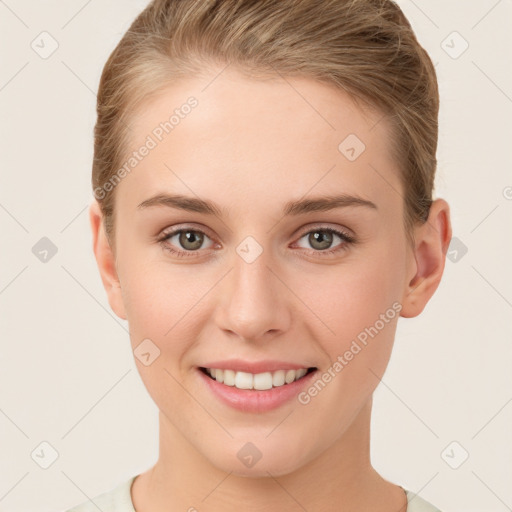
119 500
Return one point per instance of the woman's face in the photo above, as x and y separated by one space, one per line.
261 284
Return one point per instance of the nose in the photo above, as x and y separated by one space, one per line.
254 303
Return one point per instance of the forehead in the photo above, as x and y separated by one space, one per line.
279 137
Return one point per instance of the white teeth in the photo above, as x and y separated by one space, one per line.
289 377
243 380
278 378
300 373
262 381
259 381
229 377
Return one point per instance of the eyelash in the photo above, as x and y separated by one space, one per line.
347 240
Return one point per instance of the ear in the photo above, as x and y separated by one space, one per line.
106 261
431 244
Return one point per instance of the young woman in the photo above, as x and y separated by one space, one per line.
263 215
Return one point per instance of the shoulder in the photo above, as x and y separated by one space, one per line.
416 503
118 499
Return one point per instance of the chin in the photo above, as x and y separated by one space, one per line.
252 463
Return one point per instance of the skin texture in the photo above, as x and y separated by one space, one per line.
251 146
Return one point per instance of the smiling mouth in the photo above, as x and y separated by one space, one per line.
258 381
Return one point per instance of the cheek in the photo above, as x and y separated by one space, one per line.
360 304
163 302
162 307
154 307
353 297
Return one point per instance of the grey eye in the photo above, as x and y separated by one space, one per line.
191 240
320 240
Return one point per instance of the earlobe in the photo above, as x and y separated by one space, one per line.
431 244
105 259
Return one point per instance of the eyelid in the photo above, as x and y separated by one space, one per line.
325 227
165 233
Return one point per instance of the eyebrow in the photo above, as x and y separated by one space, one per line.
302 206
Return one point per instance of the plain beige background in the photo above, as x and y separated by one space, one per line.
67 374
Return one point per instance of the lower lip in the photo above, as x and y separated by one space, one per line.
252 400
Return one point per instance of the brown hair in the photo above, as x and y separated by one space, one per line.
365 47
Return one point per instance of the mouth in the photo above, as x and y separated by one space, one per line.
257 381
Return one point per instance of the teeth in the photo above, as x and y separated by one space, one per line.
243 380
262 381
278 378
300 373
259 381
289 377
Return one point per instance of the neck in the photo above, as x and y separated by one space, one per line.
341 478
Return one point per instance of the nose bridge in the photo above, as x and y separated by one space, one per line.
254 301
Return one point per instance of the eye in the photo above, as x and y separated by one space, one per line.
188 242
322 238
183 242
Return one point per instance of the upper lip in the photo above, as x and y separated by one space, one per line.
239 365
